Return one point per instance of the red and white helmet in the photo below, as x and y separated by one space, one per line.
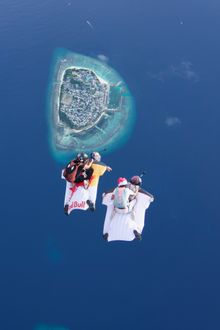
122 182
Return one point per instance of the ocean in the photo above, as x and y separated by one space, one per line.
56 271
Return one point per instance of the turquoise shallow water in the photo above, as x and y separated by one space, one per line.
110 132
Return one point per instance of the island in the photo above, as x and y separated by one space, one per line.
90 106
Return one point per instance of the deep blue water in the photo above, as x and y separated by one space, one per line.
57 270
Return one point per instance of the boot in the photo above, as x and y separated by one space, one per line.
91 205
137 235
105 236
66 208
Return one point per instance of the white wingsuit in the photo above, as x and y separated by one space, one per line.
120 223
76 196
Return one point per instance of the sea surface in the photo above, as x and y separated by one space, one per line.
56 272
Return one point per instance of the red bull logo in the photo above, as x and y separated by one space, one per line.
79 205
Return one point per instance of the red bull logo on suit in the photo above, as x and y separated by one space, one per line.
79 205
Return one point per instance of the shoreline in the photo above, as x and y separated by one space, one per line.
118 122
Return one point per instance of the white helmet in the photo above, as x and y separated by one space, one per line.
96 156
